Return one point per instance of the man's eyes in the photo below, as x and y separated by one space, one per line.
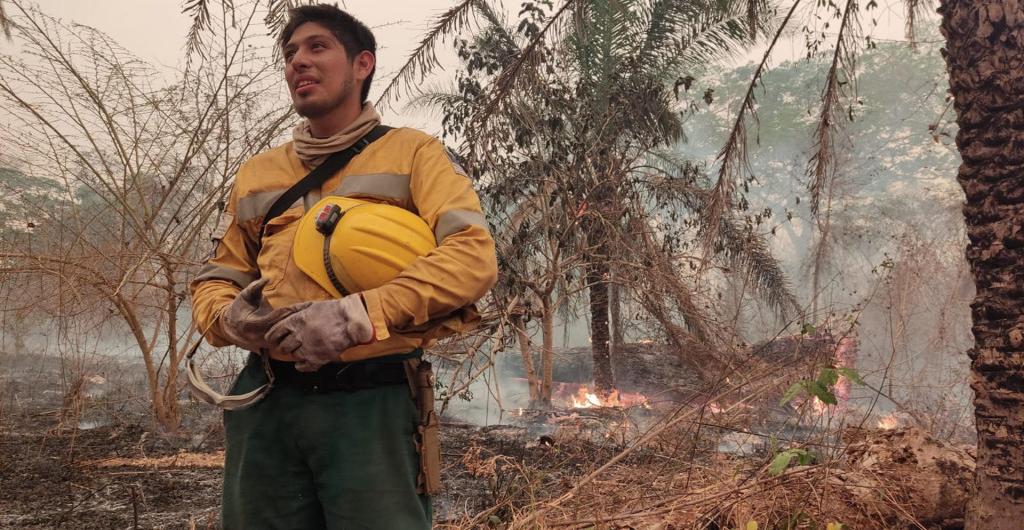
314 46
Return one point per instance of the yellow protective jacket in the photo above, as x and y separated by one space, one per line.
405 168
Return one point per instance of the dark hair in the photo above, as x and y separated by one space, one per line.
350 32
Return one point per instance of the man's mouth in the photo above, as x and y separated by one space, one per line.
304 86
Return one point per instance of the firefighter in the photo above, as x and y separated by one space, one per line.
333 443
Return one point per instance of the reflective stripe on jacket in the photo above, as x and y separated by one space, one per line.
405 168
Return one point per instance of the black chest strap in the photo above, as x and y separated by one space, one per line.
316 178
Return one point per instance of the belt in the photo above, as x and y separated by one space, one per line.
340 377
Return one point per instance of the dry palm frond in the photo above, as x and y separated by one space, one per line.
5 23
424 58
277 14
497 24
751 254
732 158
436 98
915 10
753 8
199 10
691 34
822 166
529 55
718 31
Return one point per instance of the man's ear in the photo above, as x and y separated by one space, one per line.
364 64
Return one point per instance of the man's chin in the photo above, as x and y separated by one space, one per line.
309 110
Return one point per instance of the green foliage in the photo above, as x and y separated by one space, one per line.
821 387
577 149
782 460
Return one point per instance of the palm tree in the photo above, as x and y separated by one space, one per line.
626 56
587 120
983 56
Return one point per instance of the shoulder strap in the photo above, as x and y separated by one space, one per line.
319 175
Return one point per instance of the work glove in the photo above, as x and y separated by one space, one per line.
247 319
318 334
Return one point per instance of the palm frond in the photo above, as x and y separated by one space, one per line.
749 252
713 35
5 22
435 98
277 15
600 42
732 159
423 59
754 8
511 75
822 165
199 10
497 25
692 34
915 9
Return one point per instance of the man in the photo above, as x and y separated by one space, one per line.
312 453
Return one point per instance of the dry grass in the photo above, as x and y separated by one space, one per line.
182 460
675 476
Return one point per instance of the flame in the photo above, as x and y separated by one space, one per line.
889 422
585 399
818 406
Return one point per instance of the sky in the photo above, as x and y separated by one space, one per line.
155 31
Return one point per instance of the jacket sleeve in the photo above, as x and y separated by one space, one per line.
459 271
231 267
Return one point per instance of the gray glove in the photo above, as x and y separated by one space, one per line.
318 334
249 316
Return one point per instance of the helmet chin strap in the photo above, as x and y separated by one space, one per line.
330 266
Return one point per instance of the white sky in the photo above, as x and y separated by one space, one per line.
155 30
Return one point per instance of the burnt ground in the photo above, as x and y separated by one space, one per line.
106 466
97 463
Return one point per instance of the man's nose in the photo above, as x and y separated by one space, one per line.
300 59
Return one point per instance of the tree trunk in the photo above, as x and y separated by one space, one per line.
615 312
527 353
597 278
985 58
547 353
171 419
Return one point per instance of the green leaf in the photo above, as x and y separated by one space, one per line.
780 463
782 459
819 391
851 375
828 377
808 329
791 393
806 458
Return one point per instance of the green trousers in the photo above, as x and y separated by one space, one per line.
301 460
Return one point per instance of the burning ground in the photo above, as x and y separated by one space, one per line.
669 456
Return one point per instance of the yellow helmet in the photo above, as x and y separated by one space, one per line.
347 245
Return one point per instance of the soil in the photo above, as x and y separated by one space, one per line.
97 463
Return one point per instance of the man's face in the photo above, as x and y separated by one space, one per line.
320 75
